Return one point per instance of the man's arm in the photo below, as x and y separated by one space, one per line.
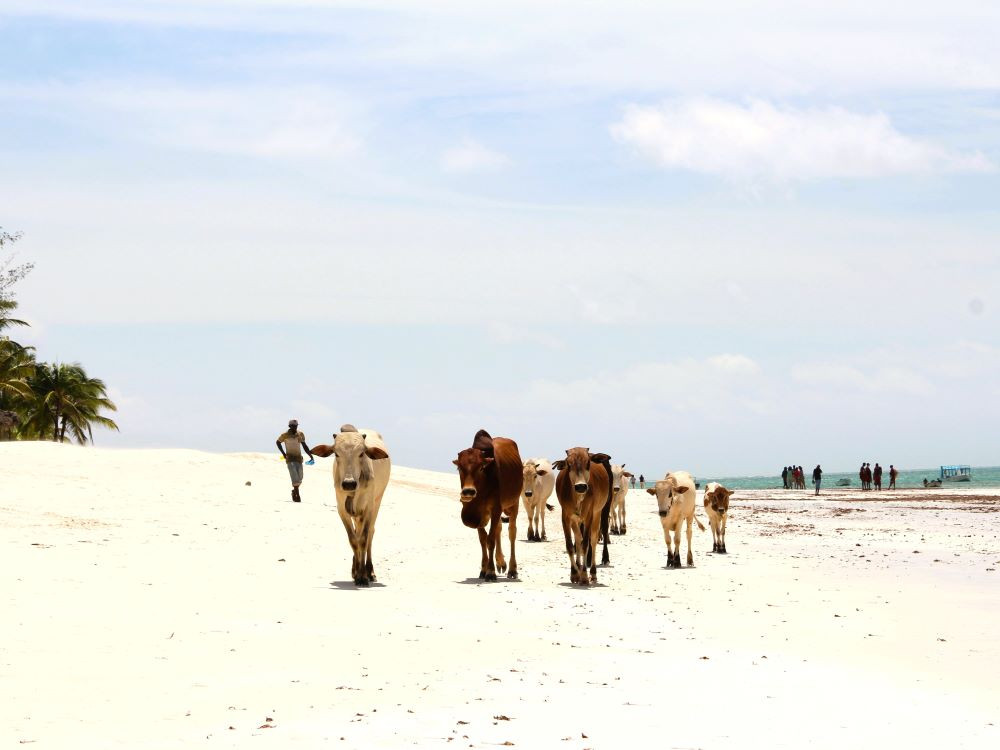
281 448
303 444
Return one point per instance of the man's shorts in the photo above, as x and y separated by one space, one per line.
295 472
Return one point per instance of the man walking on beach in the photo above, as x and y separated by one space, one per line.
290 444
893 473
817 477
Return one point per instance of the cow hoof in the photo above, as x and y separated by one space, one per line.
624 531
501 568
491 576
482 574
512 574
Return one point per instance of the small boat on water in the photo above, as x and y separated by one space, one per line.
844 482
959 473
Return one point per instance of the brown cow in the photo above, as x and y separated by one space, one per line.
717 508
490 473
584 490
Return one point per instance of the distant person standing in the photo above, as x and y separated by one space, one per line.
861 477
893 473
642 482
631 481
784 477
877 476
291 444
817 477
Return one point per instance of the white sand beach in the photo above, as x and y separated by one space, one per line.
152 599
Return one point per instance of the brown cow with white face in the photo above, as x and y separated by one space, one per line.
490 475
717 508
584 490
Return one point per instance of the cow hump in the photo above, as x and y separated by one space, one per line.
483 442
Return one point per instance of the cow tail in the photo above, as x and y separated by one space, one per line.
697 521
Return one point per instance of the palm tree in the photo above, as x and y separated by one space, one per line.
65 400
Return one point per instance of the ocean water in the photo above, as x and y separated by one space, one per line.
982 476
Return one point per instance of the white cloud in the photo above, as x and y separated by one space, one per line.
882 379
470 157
761 141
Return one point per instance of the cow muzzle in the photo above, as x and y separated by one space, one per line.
469 492
528 493
617 489
349 484
581 487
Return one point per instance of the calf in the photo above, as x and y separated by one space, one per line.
490 474
675 501
717 508
619 488
361 469
539 481
584 491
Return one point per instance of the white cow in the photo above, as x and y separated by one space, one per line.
675 495
539 481
361 470
619 488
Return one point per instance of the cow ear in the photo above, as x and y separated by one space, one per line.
455 462
541 472
600 458
323 451
651 491
375 453
559 465
681 490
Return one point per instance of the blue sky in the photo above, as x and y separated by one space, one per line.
701 236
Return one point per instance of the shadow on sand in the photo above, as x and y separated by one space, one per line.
351 586
500 579
598 585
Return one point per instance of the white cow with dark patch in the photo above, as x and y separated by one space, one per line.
539 481
361 470
675 500
717 508
619 488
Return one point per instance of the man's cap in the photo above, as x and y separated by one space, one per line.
293 423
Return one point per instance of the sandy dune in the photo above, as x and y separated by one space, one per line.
151 599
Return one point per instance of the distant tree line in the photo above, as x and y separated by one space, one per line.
42 400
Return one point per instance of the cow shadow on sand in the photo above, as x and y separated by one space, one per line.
478 580
568 585
352 586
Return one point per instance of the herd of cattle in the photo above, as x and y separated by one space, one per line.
590 490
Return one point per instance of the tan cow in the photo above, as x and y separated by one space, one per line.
584 490
361 470
717 508
675 495
619 488
539 481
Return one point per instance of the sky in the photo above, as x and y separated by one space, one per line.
714 236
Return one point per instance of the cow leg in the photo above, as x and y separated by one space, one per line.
722 534
484 543
690 553
512 536
580 559
496 549
593 542
670 553
541 520
369 566
605 518
362 565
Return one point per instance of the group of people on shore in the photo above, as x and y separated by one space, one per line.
793 478
872 478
